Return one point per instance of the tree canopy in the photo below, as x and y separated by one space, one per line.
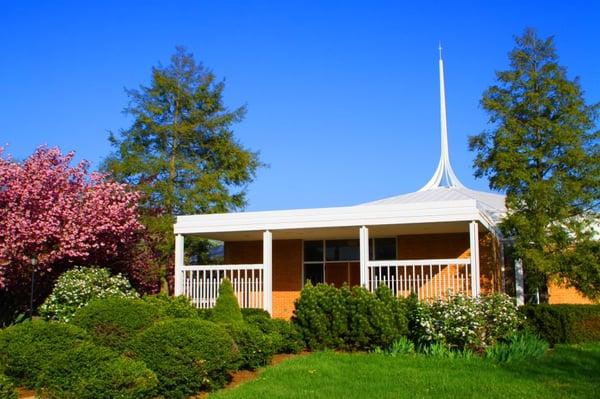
180 151
542 149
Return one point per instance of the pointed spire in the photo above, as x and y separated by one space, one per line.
444 175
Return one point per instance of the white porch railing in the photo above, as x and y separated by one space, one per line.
429 278
201 284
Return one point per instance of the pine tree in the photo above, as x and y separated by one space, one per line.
180 152
543 150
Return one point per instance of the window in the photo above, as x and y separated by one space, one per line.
313 251
313 272
383 248
342 250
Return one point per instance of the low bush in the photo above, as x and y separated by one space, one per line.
285 336
77 287
520 346
187 355
402 346
564 323
113 322
226 309
463 322
28 347
176 307
256 348
353 319
94 372
7 388
204 314
255 312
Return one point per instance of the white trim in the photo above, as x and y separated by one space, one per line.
268 271
474 247
364 254
254 266
419 262
519 283
179 256
364 215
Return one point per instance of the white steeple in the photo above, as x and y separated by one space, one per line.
444 175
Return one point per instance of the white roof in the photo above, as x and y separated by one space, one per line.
492 204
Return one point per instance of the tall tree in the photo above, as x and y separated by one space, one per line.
543 150
180 152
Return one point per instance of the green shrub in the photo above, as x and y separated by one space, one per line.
502 317
27 348
256 348
187 355
204 314
321 316
176 307
226 309
285 336
77 287
520 346
113 322
440 350
7 388
94 372
564 323
345 318
255 312
402 346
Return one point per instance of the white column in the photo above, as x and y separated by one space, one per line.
178 264
364 256
519 283
474 239
502 267
268 271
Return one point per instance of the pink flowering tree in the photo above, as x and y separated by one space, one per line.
54 215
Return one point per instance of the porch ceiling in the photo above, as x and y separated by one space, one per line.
342 232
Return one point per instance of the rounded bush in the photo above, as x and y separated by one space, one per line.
255 312
286 338
27 348
187 355
77 287
176 307
113 322
7 388
256 348
94 372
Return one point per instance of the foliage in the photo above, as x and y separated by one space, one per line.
27 348
256 348
94 372
59 215
75 288
180 151
187 355
542 150
564 323
402 346
441 350
464 322
178 307
255 312
7 388
353 319
226 309
286 338
114 321
518 347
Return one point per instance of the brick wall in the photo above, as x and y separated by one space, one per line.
287 269
560 293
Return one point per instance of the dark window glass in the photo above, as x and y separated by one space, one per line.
385 248
313 251
314 273
342 250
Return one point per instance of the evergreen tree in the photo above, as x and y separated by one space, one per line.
180 152
543 150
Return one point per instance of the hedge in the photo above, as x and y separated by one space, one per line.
564 323
256 348
187 355
7 388
94 372
27 348
113 322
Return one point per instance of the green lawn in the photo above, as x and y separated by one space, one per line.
566 372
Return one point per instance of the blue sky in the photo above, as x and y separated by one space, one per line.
342 97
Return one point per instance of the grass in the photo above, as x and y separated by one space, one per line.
566 372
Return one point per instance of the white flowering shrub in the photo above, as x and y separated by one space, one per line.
78 286
464 322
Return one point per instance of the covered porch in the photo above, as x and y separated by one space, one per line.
269 267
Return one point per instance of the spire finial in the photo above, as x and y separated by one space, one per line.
444 175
